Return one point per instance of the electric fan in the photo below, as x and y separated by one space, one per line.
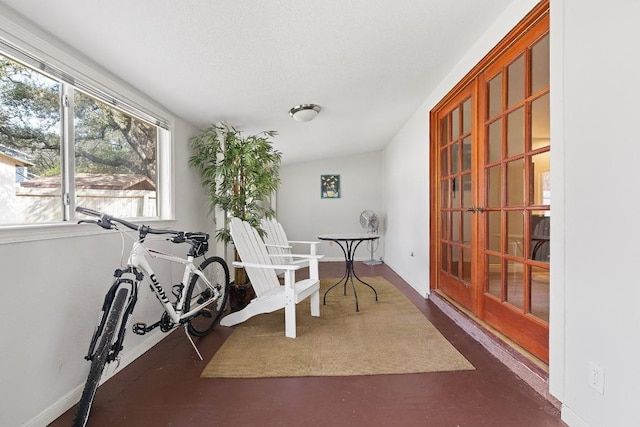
369 221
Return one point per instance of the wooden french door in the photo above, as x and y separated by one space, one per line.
491 210
457 225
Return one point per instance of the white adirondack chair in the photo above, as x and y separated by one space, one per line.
278 244
270 294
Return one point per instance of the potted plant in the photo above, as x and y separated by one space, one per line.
239 174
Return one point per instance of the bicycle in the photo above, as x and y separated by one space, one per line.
197 307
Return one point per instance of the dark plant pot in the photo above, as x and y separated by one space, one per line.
240 296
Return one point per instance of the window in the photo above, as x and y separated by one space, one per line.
65 143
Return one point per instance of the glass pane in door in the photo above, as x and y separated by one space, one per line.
455 124
494 190
466 227
540 65
494 231
495 141
495 96
540 122
541 176
444 131
540 226
444 162
455 261
515 183
445 229
466 265
515 284
466 116
467 199
454 158
494 276
444 257
515 132
515 90
444 194
515 230
466 154
540 292
455 226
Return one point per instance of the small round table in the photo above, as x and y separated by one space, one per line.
349 242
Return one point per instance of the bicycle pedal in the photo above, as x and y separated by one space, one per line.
139 328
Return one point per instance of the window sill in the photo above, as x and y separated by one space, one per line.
30 233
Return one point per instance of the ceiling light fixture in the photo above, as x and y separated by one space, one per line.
304 112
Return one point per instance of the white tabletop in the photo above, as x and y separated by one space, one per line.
349 236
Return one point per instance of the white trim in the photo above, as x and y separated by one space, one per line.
558 343
571 418
37 232
166 177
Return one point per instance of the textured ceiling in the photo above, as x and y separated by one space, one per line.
368 63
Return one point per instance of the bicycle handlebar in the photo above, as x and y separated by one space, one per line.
106 221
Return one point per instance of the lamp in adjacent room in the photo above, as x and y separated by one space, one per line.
304 112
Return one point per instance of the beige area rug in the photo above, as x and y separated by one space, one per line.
390 336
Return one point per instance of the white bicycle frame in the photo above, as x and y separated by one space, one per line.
138 258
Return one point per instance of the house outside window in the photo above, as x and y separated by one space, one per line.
64 143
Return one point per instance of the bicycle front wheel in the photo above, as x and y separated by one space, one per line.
217 273
100 359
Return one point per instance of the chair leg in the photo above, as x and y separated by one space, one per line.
315 304
289 314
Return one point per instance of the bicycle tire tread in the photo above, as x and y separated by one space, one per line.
99 360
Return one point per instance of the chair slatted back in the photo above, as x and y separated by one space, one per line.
252 249
275 235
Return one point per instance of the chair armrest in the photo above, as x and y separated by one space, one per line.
267 266
302 256
312 245
271 245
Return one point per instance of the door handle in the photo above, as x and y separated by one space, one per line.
474 209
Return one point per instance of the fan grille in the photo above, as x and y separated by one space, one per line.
369 220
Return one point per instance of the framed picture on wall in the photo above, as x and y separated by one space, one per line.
330 186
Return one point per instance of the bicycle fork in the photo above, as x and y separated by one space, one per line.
119 282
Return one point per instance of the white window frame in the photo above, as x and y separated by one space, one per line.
42 48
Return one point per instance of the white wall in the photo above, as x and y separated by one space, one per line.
57 286
304 215
406 190
598 101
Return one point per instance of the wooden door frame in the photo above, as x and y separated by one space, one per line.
511 41
538 13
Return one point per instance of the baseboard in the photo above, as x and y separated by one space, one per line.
63 404
571 418
529 371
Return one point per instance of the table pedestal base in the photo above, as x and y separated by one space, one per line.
349 272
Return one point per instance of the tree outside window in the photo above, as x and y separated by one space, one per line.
115 153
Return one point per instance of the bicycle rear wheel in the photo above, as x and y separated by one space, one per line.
217 273
100 359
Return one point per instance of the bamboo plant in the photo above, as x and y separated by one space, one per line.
239 174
